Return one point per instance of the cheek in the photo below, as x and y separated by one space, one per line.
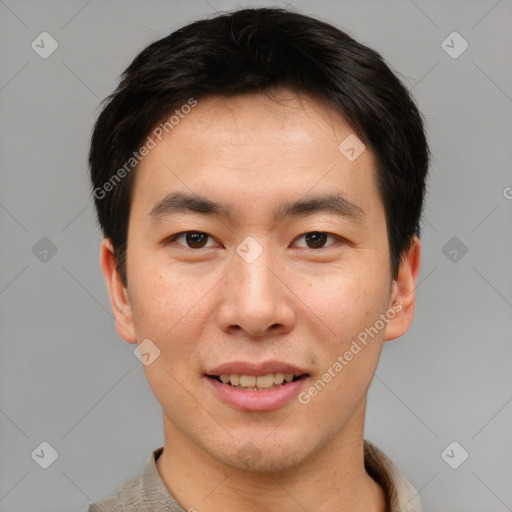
160 297
346 365
169 312
170 309
345 301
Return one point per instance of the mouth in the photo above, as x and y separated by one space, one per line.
256 386
265 382
257 393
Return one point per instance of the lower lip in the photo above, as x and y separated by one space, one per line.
265 400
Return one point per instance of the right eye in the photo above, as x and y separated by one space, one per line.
194 239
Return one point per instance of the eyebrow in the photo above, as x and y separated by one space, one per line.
333 203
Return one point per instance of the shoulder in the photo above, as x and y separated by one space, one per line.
136 494
128 494
400 494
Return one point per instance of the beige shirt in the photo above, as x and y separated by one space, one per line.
148 493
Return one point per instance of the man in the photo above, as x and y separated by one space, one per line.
259 179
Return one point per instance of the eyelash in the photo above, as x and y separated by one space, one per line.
177 235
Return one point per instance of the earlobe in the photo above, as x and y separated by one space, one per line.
403 296
119 299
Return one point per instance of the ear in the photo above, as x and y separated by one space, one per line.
119 300
403 295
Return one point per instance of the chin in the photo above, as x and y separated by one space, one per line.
262 456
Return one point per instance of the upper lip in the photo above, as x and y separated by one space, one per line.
251 368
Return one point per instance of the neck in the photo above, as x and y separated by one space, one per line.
333 479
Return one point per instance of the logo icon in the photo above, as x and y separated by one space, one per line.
351 147
454 249
249 454
249 250
45 455
44 250
454 455
44 45
454 45
146 352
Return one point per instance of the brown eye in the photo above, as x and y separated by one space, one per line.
196 240
316 239
193 239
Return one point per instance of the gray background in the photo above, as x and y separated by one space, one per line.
68 379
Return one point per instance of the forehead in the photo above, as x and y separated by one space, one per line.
254 150
283 120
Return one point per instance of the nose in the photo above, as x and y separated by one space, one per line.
256 298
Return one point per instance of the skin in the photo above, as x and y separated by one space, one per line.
297 302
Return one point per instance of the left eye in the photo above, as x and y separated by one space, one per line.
317 238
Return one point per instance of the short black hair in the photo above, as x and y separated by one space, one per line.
261 51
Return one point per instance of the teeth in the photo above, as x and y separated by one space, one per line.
256 382
278 378
265 381
247 381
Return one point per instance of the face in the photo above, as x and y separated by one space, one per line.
281 275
